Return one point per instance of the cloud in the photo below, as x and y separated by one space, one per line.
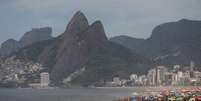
131 17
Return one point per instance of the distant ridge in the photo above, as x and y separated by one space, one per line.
127 41
171 43
35 35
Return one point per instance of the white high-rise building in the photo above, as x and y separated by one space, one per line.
142 80
192 65
151 77
179 75
177 67
44 79
161 70
133 77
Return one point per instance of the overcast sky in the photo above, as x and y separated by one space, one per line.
135 18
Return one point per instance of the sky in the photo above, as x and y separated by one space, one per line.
135 18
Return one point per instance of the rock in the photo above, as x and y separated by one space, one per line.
127 41
172 43
168 39
9 47
35 35
77 24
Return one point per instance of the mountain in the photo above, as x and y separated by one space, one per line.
127 41
84 47
9 46
35 35
171 43
175 42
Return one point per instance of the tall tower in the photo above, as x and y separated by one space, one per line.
157 77
192 65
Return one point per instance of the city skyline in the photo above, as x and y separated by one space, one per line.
161 75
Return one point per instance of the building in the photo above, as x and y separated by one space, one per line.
192 65
160 76
186 77
151 77
142 80
176 68
179 75
44 79
116 81
197 75
133 77
186 74
171 78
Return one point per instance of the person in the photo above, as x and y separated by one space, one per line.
151 98
134 98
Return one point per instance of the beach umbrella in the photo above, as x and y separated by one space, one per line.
159 95
166 93
177 94
172 98
198 98
179 98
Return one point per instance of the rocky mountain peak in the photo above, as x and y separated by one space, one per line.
78 23
77 41
31 37
8 43
8 47
97 31
35 35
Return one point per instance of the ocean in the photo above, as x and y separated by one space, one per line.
73 94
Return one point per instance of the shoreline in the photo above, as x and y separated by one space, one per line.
151 87
137 87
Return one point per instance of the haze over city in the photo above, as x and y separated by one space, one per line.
135 18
